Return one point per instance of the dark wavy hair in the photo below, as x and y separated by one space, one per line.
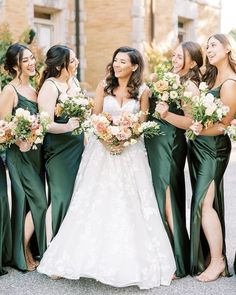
13 58
57 58
211 71
195 51
136 78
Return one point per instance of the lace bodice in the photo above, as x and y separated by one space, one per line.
111 105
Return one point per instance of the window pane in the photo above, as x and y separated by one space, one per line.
44 36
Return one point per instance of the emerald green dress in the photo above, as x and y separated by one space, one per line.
167 156
208 158
5 221
28 194
62 154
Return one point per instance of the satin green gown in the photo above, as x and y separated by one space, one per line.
62 154
208 158
167 156
5 221
27 176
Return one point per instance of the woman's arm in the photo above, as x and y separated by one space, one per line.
47 98
144 104
8 99
99 98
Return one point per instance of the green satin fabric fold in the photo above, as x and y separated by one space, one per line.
167 156
62 153
5 222
26 171
208 158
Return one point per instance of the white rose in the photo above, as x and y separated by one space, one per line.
210 109
114 130
22 113
165 96
175 86
208 99
203 86
219 113
173 94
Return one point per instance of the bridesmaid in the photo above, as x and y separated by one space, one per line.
167 155
62 150
25 166
5 222
209 156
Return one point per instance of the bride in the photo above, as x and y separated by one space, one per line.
113 231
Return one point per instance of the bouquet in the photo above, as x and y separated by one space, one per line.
167 88
122 130
79 106
6 136
29 128
231 130
206 109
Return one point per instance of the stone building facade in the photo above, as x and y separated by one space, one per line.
95 28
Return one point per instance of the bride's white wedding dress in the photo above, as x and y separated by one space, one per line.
113 231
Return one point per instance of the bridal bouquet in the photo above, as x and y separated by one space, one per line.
124 129
231 130
206 109
6 136
167 88
79 106
29 128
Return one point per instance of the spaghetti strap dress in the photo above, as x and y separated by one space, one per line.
167 157
208 159
27 176
62 155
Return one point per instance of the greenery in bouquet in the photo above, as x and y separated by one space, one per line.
166 87
79 106
6 136
29 128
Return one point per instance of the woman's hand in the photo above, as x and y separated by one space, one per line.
24 146
117 149
196 127
162 108
72 124
113 149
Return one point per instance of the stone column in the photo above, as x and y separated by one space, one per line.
82 39
138 25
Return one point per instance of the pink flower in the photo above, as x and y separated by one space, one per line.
233 122
124 134
153 77
101 127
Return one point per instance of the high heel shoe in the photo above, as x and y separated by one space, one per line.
215 269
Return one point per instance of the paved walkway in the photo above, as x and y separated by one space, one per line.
17 283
